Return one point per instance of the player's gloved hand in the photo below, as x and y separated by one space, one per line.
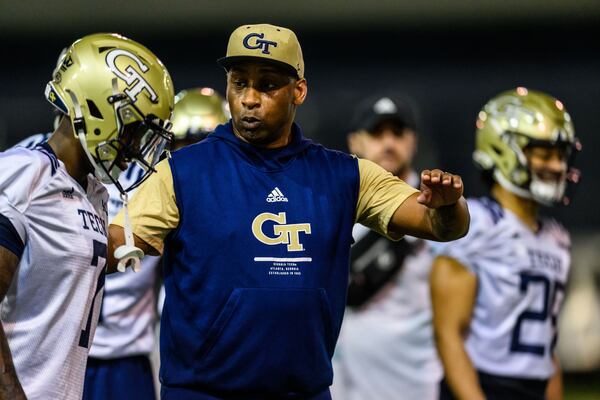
439 188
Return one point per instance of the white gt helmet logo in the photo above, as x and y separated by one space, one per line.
131 76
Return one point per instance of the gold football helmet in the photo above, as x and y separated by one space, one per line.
119 97
197 112
509 123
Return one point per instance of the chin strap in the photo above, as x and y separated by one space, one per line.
128 254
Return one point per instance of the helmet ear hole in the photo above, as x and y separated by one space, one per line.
94 111
104 48
496 149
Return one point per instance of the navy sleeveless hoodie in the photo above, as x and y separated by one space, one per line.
256 272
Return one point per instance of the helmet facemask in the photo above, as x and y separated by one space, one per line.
550 192
526 183
141 139
546 192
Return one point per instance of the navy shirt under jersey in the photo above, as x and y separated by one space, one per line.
9 238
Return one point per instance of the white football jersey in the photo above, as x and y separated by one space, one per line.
128 316
33 140
386 349
49 314
521 278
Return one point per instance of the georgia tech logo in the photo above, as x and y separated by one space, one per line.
131 76
259 44
284 233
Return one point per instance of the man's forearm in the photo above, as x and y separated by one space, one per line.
116 238
10 387
458 369
450 222
554 390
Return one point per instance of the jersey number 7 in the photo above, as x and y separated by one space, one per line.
100 251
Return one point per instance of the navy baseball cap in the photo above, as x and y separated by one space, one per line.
375 109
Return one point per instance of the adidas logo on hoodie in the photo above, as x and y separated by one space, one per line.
276 195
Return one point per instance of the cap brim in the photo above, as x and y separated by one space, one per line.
228 62
369 124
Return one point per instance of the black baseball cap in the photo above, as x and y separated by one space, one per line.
375 109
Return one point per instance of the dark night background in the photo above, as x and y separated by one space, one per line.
447 57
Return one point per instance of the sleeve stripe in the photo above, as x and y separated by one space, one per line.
9 237
45 149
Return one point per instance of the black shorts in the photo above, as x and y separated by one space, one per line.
503 388
119 379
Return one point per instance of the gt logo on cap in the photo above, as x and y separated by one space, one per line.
131 76
260 43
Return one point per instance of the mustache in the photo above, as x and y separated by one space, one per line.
389 153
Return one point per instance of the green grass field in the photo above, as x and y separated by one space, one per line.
582 386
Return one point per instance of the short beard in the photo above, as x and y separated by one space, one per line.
403 170
402 166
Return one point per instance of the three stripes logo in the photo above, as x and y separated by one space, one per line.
276 195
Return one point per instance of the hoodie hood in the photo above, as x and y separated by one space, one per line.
262 158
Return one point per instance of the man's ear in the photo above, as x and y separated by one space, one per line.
300 91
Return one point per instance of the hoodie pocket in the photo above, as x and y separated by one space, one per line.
270 340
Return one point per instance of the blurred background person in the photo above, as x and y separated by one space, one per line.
497 292
386 349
